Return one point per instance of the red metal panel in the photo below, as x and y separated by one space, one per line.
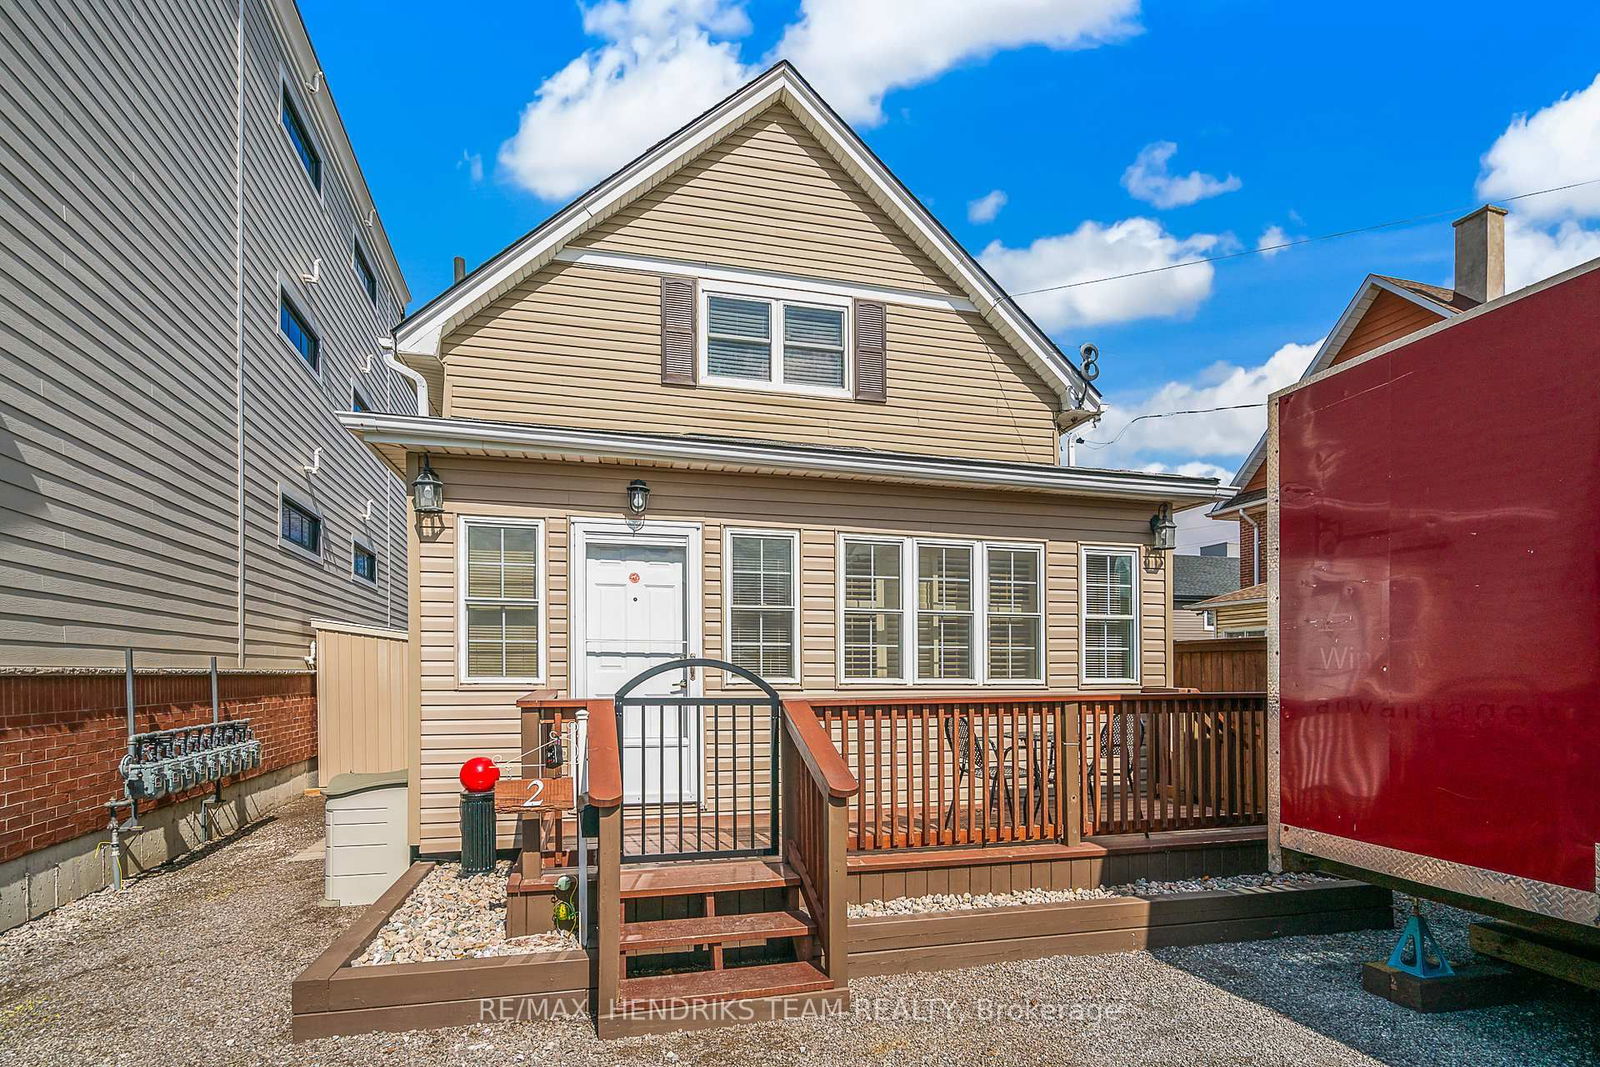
1440 593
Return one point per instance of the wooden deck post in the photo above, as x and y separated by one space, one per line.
608 910
836 924
1069 771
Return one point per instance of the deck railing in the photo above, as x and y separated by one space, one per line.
1181 761
817 788
942 771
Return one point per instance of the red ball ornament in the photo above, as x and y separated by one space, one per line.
479 775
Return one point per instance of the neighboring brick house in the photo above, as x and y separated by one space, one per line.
1383 310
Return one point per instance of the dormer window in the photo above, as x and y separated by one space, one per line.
759 339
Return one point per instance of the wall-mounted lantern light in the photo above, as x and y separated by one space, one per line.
1164 529
638 497
427 491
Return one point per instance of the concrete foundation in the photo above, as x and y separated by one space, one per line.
40 882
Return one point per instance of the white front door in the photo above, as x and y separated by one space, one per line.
635 617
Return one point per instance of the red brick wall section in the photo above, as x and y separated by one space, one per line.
62 735
1247 554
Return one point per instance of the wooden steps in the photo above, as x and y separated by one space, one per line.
696 879
665 992
715 930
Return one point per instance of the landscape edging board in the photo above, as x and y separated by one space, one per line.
331 998
943 940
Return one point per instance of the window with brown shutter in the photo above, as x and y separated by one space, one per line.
871 359
677 331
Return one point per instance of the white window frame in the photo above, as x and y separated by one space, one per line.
728 605
359 255
542 589
910 611
362 542
305 503
302 306
1037 548
1136 553
1208 619
776 300
287 86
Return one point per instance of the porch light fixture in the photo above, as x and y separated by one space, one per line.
638 497
427 491
1164 529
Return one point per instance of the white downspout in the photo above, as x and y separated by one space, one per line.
386 344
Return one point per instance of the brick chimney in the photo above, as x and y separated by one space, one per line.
1481 254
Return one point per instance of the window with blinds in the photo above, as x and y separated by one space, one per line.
874 610
1110 620
977 613
500 593
763 602
760 341
945 613
1016 613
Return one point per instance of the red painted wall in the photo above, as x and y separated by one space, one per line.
62 735
1440 585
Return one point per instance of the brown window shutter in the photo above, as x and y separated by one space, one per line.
871 359
677 331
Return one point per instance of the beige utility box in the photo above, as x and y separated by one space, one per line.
365 835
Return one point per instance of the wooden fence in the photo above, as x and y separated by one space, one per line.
1015 769
363 680
1221 665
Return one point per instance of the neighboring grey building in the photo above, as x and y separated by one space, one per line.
193 281
1194 579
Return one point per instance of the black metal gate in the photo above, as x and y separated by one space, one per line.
699 774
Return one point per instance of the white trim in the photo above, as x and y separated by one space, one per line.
419 433
909 546
797 653
541 589
1136 552
307 504
335 626
777 301
421 334
706 273
620 531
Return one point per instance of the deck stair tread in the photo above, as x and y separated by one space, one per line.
725 876
715 929
735 983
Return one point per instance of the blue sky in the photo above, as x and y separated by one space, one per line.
1310 118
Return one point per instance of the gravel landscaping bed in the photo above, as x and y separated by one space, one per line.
451 916
192 967
938 902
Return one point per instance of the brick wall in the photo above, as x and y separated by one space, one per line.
1247 551
62 735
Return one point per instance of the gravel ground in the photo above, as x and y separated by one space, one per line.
1144 887
193 965
450 916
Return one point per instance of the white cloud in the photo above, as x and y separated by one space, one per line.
987 206
1192 469
1094 250
1557 145
1268 244
1148 179
660 67
1533 254
1183 443
854 52
473 163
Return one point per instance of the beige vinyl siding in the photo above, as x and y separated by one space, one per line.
461 721
363 688
770 197
1232 618
580 345
1189 626
121 400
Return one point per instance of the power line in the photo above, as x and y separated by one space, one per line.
1289 244
1168 414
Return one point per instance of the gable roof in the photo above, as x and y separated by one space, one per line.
1199 577
1442 302
1250 594
418 337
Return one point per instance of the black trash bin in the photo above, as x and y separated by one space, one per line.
477 832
